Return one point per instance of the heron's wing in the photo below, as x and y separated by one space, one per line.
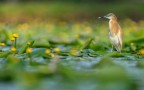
116 35
116 41
118 44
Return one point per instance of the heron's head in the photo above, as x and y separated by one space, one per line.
109 16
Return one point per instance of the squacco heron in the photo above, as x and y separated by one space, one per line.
115 32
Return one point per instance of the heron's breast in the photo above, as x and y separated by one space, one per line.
114 27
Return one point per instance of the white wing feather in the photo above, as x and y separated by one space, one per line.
116 41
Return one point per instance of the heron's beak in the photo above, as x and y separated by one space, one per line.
101 17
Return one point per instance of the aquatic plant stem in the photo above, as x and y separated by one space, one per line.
15 42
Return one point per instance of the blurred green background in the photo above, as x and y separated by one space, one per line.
69 9
62 45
